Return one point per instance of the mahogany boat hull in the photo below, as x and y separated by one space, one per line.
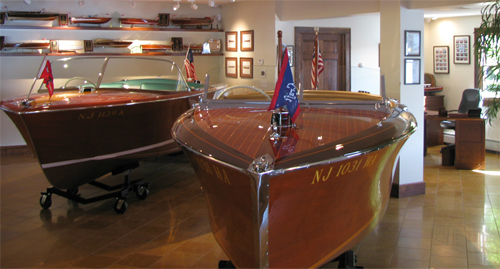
90 20
293 204
75 146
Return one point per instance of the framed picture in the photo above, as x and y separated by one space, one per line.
163 19
231 67
246 67
441 59
177 44
63 19
2 17
412 43
88 45
231 41
246 40
461 49
412 71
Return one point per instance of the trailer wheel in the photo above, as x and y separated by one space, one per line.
45 201
142 192
120 206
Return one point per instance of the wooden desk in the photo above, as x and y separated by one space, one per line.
470 148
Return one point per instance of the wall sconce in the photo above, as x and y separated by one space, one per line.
211 3
193 5
81 3
177 5
132 4
27 2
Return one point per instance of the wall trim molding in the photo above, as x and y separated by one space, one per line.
15 150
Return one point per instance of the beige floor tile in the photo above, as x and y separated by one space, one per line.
455 224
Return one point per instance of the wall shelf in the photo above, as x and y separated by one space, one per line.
110 54
96 28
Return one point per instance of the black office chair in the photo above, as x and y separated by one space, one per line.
468 105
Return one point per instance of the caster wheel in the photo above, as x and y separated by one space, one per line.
46 201
142 192
120 206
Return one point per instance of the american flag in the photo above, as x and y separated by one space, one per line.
316 68
189 64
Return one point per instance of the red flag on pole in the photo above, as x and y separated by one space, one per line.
317 64
48 79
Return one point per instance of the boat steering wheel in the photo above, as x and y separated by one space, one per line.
243 86
79 78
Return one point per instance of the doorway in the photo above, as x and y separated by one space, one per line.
335 48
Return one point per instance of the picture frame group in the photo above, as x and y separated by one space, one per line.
245 65
245 38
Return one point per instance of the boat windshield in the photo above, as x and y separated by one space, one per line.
133 73
254 82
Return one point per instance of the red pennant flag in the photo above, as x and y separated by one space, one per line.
48 79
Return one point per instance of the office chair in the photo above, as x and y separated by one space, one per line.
468 105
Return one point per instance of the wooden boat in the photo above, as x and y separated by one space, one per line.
99 42
155 47
284 195
95 124
28 45
90 20
138 21
32 15
192 21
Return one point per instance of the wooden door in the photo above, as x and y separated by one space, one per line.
334 44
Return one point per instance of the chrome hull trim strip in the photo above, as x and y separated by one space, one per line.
107 156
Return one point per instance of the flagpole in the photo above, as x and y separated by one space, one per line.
316 53
280 50
25 101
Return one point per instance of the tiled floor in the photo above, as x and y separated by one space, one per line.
454 225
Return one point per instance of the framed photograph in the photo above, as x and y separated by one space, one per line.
177 44
231 41
441 59
231 67
163 19
88 45
2 17
63 19
461 49
246 40
412 71
246 67
412 43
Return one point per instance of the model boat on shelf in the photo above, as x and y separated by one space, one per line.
28 45
99 42
101 117
196 22
90 20
155 47
134 21
32 15
295 195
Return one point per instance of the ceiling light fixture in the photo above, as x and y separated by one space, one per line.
177 5
81 3
27 2
211 3
132 4
193 5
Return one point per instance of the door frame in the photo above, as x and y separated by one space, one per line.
346 37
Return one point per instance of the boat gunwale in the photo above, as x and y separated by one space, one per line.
273 171
47 110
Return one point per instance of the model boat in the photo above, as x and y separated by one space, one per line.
90 20
99 42
32 15
101 117
295 195
138 21
28 45
192 21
